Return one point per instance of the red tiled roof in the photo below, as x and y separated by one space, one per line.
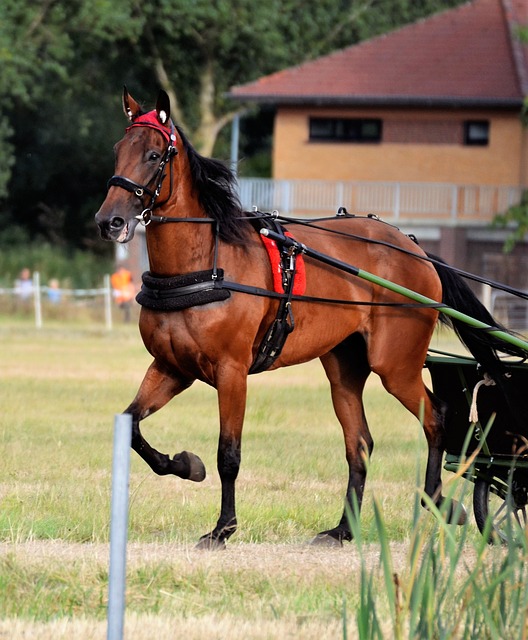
470 54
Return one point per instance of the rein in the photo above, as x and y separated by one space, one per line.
343 214
147 217
427 258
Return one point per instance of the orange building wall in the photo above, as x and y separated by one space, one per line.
503 162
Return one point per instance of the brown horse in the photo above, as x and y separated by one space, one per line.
212 333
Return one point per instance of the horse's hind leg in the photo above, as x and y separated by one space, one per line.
157 388
401 375
347 369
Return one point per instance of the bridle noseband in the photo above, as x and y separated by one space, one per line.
139 190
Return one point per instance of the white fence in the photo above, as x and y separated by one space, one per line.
41 298
512 312
393 201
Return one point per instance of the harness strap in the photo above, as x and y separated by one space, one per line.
150 285
267 293
203 287
184 290
129 185
271 346
148 217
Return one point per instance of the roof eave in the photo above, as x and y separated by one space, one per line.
379 101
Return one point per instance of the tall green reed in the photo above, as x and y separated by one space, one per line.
453 585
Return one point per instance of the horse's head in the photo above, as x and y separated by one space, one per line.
142 160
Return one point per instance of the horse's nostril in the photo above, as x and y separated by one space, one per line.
117 223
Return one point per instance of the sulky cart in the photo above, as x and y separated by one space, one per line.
491 449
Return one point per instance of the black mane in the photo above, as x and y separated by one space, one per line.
215 186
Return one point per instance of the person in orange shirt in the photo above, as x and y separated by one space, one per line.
124 290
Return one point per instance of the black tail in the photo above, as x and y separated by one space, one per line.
483 346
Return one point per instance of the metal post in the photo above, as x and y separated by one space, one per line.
108 302
235 132
37 300
119 525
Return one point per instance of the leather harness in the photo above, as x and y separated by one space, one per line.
175 293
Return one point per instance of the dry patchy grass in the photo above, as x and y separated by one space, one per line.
248 591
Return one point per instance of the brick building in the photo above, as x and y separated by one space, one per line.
431 108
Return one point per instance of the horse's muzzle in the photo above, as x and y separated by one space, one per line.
115 228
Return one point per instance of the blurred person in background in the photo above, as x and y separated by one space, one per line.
24 284
124 290
54 292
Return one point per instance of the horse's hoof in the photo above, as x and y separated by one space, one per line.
196 466
456 513
208 543
327 541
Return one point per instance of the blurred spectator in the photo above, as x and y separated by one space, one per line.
24 284
54 292
124 290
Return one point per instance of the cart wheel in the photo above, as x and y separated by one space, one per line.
507 512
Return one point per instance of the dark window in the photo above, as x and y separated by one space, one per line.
476 132
345 129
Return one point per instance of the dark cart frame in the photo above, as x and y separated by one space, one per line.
489 452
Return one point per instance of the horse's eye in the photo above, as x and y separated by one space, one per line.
154 156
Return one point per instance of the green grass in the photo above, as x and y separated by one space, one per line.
406 575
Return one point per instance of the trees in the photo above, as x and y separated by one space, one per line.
63 63
53 55
199 49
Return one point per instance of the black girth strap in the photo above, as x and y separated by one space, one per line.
271 346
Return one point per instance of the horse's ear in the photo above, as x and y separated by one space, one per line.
163 107
130 106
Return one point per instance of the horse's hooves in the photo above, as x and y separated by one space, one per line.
196 466
208 543
327 541
456 514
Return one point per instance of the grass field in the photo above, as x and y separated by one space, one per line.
60 389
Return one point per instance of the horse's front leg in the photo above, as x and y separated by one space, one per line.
157 388
232 392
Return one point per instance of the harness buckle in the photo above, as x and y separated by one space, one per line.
139 192
145 217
